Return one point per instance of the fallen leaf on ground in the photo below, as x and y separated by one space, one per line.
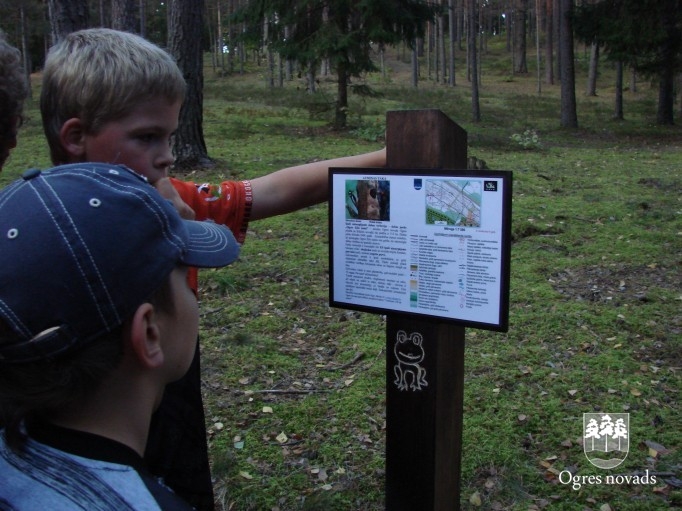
655 449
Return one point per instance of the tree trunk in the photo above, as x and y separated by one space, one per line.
233 47
429 32
556 22
184 41
342 98
509 27
679 79
310 77
102 23
123 15
669 54
269 57
618 113
549 43
289 69
666 97
569 116
415 65
143 19
25 54
633 80
520 15
480 38
441 45
538 55
460 24
220 43
592 73
67 16
471 37
451 29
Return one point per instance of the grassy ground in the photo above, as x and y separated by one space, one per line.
294 390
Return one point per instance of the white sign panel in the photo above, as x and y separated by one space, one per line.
429 243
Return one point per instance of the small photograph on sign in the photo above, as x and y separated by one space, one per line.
368 199
453 202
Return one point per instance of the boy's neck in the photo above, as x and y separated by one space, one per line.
112 413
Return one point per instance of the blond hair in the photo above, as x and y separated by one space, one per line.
100 75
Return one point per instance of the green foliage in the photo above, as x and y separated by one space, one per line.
372 130
645 34
529 139
339 32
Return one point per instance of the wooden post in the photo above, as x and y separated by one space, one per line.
424 407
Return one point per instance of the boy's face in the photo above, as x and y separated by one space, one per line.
141 140
180 328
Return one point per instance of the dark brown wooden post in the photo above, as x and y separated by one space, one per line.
424 411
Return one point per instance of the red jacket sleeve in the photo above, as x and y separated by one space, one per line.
228 203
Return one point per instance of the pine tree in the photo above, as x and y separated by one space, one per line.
644 34
340 32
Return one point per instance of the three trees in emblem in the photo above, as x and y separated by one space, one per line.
604 430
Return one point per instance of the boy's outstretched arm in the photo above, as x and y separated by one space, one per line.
293 188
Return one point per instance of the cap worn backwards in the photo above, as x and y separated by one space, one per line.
83 245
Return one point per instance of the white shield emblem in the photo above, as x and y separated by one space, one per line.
606 438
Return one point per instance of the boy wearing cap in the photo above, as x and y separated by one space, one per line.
96 317
114 97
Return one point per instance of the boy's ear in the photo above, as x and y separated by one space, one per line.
145 337
72 138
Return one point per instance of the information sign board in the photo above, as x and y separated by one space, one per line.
433 243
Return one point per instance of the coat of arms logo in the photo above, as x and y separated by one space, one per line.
606 439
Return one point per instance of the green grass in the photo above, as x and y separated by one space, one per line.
595 313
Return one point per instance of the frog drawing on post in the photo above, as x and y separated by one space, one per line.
409 353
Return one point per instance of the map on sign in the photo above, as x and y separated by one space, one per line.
453 202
